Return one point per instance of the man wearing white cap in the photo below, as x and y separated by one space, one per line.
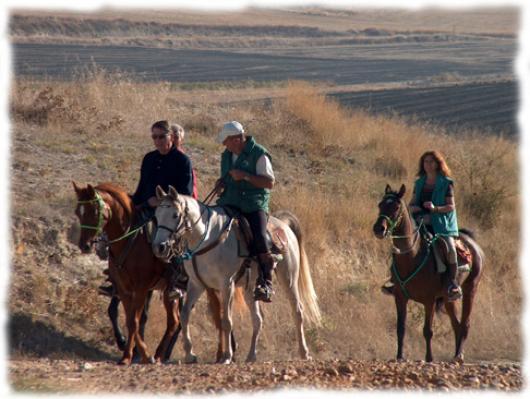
247 178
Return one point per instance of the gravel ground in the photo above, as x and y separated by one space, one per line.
69 376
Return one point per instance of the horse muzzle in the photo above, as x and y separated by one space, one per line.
86 247
162 250
380 231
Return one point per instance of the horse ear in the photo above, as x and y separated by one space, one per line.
388 189
160 193
77 188
91 191
173 193
402 191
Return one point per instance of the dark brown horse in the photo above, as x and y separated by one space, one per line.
415 276
133 268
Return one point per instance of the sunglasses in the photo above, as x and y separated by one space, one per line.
159 136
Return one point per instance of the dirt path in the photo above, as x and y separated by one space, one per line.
45 375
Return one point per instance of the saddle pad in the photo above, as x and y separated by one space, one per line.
463 252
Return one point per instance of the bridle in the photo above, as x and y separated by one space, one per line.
101 221
101 218
184 226
395 223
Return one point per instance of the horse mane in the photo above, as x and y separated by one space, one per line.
119 194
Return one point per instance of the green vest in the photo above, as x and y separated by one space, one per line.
442 223
242 194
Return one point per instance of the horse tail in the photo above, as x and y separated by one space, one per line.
306 289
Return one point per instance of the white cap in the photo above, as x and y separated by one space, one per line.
230 129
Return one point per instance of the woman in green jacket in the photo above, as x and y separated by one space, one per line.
433 200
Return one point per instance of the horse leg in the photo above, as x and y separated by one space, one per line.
171 327
175 335
128 351
469 291
194 292
112 311
257 322
133 323
227 296
427 329
450 308
297 310
143 321
215 311
401 308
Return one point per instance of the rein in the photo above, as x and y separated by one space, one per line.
101 220
393 224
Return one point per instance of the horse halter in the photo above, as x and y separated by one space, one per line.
179 246
101 208
183 226
393 224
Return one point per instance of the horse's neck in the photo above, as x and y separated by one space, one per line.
120 219
409 245
207 223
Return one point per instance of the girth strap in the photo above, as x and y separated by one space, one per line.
208 248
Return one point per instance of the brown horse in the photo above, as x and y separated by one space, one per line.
415 276
133 268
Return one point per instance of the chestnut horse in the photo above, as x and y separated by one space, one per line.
133 268
415 276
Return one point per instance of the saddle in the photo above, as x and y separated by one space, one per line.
276 238
463 255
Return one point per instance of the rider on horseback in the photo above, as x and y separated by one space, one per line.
166 165
433 201
247 178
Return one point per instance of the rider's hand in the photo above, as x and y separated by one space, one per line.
237 174
428 205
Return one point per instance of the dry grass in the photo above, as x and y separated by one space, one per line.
332 166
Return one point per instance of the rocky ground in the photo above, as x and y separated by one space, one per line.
69 376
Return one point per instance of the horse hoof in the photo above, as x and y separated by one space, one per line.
190 359
121 342
148 360
307 357
124 362
251 359
459 359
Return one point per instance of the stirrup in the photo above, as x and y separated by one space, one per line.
454 292
263 293
388 288
106 290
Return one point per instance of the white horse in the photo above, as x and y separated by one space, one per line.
213 262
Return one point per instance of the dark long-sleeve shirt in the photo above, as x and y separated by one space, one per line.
174 169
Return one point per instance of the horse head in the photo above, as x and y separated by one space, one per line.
93 215
391 211
172 222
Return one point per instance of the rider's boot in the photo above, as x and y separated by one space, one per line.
177 279
454 291
388 287
263 291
